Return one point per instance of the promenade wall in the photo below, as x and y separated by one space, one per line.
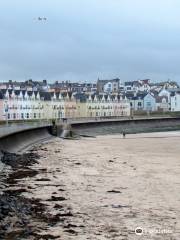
128 126
21 139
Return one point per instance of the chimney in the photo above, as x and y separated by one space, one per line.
45 82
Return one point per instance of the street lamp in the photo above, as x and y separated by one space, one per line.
6 111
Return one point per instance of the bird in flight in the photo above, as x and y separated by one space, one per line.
41 19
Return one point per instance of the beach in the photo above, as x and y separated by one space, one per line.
105 187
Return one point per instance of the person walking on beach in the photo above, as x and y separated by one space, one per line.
124 134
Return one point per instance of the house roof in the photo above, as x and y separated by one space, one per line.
145 81
81 97
133 96
137 83
128 83
174 93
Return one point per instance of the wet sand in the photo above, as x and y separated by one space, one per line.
105 187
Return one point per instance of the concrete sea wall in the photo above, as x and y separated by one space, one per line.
128 126
18 141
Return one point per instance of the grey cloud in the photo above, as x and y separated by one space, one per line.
84 40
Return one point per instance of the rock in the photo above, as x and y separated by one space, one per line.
43 179
111 161
16 211
19 174
17 160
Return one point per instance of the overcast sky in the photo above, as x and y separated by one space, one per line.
87 39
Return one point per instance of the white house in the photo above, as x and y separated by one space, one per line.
162 103
175 102
108 87
20 105
144 85
137 86
165 93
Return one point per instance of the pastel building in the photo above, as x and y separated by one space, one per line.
150 102
34 105
107 106
56 106
71 110
19 105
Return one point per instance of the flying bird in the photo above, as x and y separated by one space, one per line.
41 19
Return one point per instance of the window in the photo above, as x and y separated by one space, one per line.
22 115
27 115
9 116
139 104
34 115
14 116
60 114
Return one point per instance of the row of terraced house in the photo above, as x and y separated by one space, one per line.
32 105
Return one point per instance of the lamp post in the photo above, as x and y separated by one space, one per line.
6 112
